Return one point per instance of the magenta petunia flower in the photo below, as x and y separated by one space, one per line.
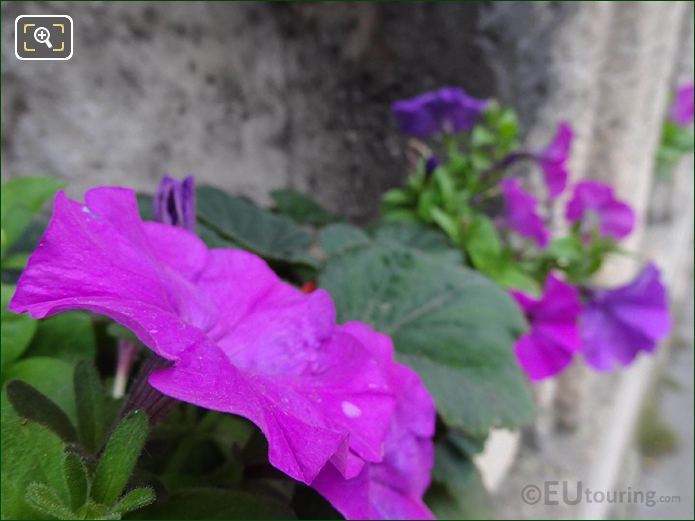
520 212
682 109
595 206
240 340
446 110
553 160
553 339
393 488
174 202
616 324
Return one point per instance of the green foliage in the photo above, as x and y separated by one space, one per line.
450 324
676 142
68 336
301 208
16 333
93 412
235 222
20 200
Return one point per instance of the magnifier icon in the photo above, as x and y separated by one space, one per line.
43 35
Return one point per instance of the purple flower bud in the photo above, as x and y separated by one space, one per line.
431 164
553 160
174 202
446 110
682 109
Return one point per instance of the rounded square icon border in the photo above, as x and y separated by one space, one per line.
72 40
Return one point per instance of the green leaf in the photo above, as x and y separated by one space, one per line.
145 207
30 452
20 199
50 376
32 404
273 237
92 408
452 325
301 208
447 223
68 336
419 237
17 330
214 503
119 458
77 480
335 238
398 197
482 242
44 498
134 500
120 332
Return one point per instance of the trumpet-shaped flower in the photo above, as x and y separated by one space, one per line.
240 340
446 110
553 339
595 206
553 160
617 324
520 212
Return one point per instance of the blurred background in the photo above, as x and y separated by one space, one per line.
251 97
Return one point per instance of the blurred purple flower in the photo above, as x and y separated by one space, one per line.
682 109
520 212
616 324
553 160
553 339
431 165
446 110
595 205
174 202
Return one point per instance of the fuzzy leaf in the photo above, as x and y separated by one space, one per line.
77 481
44 498
134 500
92 409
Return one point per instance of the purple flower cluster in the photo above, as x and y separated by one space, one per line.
339 413
444 111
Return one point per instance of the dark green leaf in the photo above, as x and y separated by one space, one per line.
211 503
301 208
335 238
51 376
17 330
273 237
32 404
92 408
145 207
20 199
119 458
417 236
452 325
77 481
44 498
134 500
68 336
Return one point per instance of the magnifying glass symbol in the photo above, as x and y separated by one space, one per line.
43 35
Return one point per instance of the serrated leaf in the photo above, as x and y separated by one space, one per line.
20 199
35 406
119 458
214 503
273 237
134 500
300 208
451 324
335 238
77 480
68 336
92 408
50 376
17 330
44 498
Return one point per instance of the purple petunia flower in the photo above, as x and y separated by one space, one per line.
174 202
239 339
682 109
393 488
553 339
595 205
520 212
616 324
553 160
446 110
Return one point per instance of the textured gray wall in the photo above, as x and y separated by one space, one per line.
252 97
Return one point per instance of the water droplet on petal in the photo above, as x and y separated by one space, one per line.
351 410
